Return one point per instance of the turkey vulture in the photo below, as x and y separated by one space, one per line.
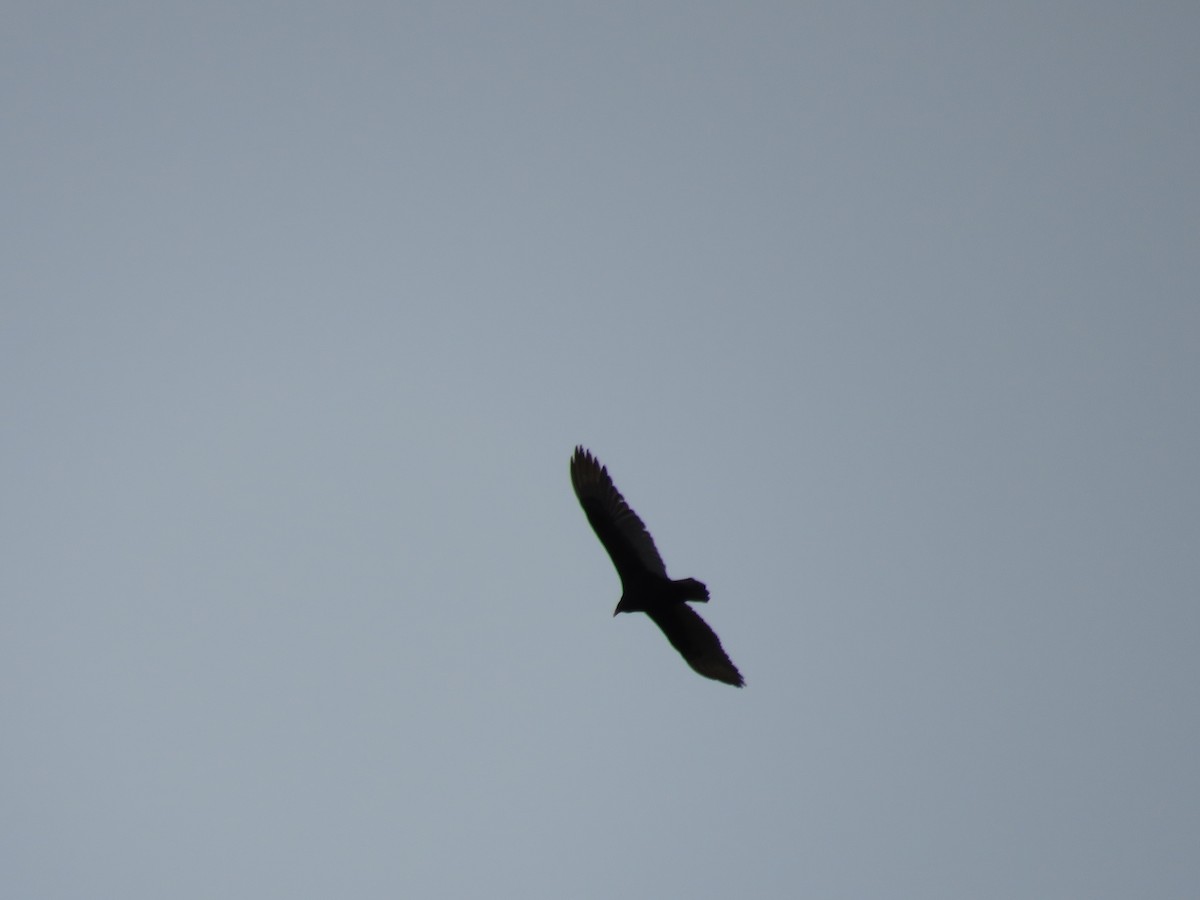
645 586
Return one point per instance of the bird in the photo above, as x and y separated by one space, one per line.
645 586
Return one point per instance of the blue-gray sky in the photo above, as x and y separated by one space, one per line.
885 318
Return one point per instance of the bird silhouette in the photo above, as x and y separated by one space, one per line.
645 586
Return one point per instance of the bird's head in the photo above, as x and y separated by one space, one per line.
622 606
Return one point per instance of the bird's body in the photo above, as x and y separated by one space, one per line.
645 585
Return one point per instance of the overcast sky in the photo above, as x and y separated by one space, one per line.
884 317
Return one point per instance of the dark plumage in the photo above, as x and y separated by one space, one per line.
644 583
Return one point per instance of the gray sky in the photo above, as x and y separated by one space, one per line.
883 316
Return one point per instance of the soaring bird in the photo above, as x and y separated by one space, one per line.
645 586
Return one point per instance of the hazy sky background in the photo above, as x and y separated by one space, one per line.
885 317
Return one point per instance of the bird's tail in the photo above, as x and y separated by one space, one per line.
691 589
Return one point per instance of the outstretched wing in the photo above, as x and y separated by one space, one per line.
618 527
696 642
